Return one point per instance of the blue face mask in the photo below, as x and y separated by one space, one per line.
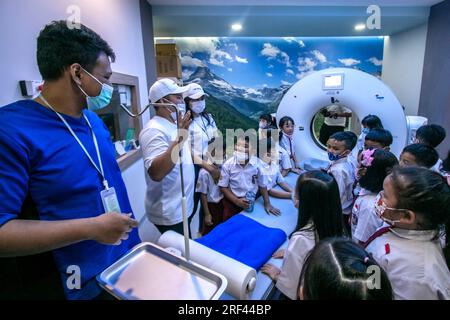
102 100
333 157
365 130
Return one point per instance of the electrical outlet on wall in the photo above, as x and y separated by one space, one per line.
30 88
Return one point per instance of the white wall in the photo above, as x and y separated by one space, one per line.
403 60
117 21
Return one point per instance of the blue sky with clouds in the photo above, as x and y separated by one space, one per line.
259 62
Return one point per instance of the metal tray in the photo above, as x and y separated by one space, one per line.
148 272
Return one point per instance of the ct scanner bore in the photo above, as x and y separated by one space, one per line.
359 91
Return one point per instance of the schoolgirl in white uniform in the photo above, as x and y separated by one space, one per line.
286 139
375 165
319 217
415 202
271 170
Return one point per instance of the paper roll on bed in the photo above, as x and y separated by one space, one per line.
241 278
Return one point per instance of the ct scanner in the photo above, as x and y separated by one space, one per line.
361 92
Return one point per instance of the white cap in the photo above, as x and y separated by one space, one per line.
164 87
195 91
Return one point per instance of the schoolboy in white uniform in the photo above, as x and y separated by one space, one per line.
241 174
159 144
339 146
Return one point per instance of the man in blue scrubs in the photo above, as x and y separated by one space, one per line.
64 209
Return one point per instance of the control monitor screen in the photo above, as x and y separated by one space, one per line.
335 81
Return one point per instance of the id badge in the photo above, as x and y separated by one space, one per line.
110 201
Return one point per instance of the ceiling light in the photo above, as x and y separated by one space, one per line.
236 27
360 27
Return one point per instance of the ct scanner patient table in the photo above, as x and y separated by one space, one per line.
286 222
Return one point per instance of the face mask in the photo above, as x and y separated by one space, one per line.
262 125
102 100
333 157
380 208
365 130
241 156
198 106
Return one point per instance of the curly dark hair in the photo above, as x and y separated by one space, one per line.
58 47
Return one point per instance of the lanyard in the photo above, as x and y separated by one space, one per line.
100 171
204 127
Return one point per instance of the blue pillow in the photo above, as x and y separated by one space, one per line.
244 240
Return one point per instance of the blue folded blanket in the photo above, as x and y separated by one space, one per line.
244 240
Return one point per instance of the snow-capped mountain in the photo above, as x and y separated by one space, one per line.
249 101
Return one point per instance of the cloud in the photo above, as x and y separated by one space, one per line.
265 85
290 71
186 74
319 56
253 91
233 45
375 61
207 45
285 83
190 45
216 62
301 75
269 74
348 62
272 52
292 39
285 59
222 54
270 66
241 60
230 69
306 64
188 61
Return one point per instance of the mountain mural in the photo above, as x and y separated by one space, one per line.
247 77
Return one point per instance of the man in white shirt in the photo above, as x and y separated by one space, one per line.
161 147
335 121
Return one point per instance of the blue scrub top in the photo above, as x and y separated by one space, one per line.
40 159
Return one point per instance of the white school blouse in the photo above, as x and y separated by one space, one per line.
414 263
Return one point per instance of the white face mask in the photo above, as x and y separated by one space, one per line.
262 125
241 156
198 106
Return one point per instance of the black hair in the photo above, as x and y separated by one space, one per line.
268 118
319 204
58 47
431 134
348 137
381 167
427 194
264 143
372 122
382 136
205 114
339 268
282 122
426 156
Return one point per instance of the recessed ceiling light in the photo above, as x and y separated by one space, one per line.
360 27
236 27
